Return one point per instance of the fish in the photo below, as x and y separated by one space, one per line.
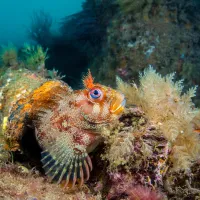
67 124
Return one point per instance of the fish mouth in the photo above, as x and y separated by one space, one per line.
92 122
118 104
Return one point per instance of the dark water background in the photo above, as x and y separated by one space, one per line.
74 41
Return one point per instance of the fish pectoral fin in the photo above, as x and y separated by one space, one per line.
63 165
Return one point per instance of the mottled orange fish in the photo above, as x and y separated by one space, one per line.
67 125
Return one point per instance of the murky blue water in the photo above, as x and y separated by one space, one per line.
15 16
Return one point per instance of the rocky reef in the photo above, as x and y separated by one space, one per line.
151 152
155 141
161 33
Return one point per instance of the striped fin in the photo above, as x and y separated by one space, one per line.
64 166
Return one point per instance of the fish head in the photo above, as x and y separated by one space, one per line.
99 104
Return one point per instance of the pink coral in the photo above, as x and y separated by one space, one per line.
143 193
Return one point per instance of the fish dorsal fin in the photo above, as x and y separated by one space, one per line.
27 109
49 94
63 164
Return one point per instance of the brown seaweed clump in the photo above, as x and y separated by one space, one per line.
170 111
156 141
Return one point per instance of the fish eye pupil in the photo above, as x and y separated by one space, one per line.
96 92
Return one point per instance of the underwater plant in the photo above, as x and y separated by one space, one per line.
156 140
34 56
163 103
87 28
54 74
8 55
40 28
139 157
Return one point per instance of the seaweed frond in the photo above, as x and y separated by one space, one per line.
54 74
132 97
9 55
120 150
34 56
165 105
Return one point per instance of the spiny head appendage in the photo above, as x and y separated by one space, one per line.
88 81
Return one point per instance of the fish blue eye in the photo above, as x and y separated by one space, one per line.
95 93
